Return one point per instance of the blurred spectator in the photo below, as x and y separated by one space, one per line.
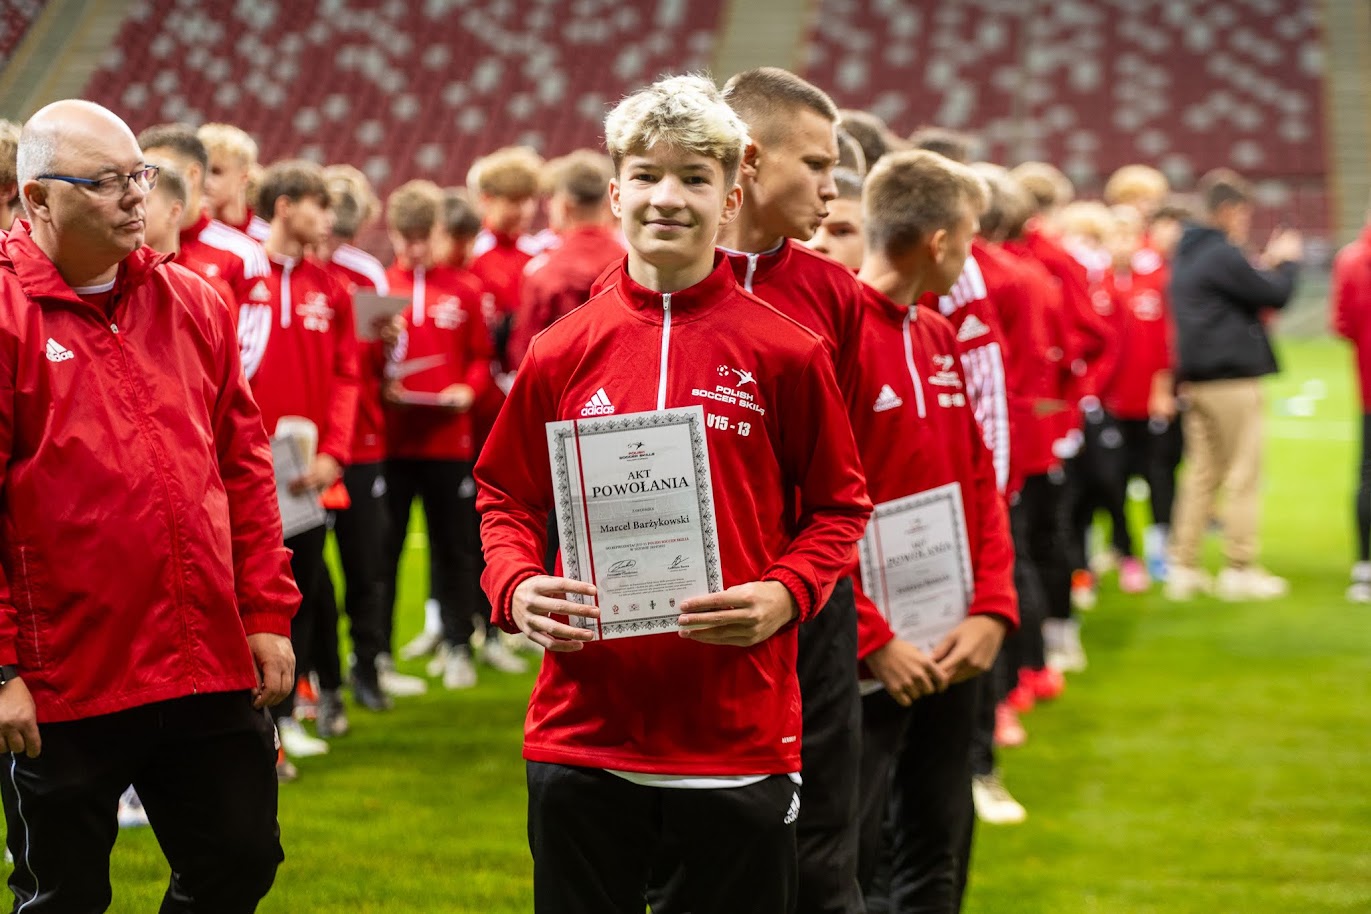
1351 300
9 179
840 235
1219 298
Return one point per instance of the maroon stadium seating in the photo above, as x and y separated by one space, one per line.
401 89
1188 84
15 18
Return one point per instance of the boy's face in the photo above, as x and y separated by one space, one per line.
840 234
163 215
451 250
413 249
670 203
308 220
226 182
510 215
951 253
790 180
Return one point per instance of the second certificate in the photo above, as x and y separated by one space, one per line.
635 510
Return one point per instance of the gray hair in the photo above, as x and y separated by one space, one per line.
36 156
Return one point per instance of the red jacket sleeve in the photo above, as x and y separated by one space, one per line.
535 312
336 439
264 585
1348 302
514 492
992 549
873 630
478 355
1095 341
819 457
9 615
846 365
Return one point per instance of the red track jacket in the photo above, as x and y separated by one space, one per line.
1146 334
1093 341
661 703
917 432
359 270
214 249
139 535
558 281
300 352
444 320
1352 305
1053 412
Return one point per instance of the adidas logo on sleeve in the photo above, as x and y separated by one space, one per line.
56 352
971 328
887 399
598 405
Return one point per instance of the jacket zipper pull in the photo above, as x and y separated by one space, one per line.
666 344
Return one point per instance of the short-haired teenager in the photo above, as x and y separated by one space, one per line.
688 740
232 160
787 181
443 354
919 437
299 353
840 234
10 206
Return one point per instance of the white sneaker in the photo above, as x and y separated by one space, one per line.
296 741
1360 589
994 804
438 662
1103 562
1242 585
458 670
422 644
1184 583
521 644
498 657
131 811
1063 649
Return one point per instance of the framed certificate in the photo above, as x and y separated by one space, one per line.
635 510
916 564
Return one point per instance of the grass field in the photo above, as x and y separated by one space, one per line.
1214 758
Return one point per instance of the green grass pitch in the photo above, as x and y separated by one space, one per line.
1215 758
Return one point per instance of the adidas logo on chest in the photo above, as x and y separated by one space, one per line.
56 352
887 399
598 405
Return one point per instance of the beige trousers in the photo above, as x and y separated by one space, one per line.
1223 450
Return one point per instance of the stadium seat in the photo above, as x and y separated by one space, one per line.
15 18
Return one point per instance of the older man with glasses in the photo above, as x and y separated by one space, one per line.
145 594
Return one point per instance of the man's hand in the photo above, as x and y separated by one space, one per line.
457 397
275 660
741 616
19 719
537 598
388 330
323 473
907 673
1285 246
970 648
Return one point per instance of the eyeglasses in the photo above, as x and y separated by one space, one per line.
114 185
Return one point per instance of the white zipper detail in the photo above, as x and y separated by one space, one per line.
285 296
417 297
751 271
666 346
909 362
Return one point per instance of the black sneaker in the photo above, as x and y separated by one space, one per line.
333 717
366 691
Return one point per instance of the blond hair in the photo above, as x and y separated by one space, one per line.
511 172
1007 203
911 195
1088 219
686 112
1047 185
412 208
353 200
231 141
9 152
1134 184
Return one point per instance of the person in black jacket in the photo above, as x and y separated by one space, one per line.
1221 302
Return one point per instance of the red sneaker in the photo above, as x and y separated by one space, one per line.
1021 697
306 699
1009 732
1046 684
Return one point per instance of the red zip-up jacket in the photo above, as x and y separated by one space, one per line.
814 290
1146 334
444 320
1351 305
300 352
1093 341
223 251
359 270
559 280
973 307
664 704
139 536
1053 413
917 433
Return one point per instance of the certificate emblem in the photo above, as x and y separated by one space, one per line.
635 510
